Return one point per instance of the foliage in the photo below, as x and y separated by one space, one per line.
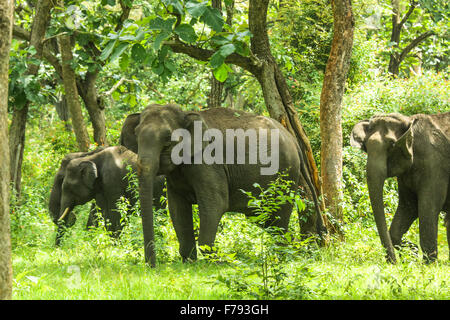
262 275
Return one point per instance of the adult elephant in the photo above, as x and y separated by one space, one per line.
101 175
416 150
214 185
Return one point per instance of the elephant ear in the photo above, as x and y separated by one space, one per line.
359 134
193 122
402 155
89 174
128 137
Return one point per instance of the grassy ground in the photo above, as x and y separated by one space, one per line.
91 266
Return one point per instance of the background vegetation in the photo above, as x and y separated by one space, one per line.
250 264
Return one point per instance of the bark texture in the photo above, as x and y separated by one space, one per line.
71 93
330 105
6 22
19 119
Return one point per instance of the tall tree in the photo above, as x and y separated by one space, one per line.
6 23
71 92
216 86
398 22
19 119
330 104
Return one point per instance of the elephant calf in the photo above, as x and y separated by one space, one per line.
99 175
416 150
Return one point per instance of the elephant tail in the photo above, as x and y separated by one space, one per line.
320 227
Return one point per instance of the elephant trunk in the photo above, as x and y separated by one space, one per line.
147 169
55 200
376 175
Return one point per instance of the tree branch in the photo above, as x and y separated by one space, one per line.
21 34
414 43
406 16
204 55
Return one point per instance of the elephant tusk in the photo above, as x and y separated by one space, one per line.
64 214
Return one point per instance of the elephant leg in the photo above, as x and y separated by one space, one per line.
210 211
430 205
281 218
180 210
209 223
92 219
405 215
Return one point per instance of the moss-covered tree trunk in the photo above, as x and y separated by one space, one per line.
6 22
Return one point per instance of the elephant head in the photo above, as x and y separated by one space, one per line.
65 194
153 134
55 195
388 141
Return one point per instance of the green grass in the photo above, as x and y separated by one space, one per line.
89 265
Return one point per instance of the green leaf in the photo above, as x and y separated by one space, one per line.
175 5
170 65
158 68
216 60
221 73
108 49
138 53
213 18
227 49
119 50
160 38
160 24
196 9
219 40
124 62
186 32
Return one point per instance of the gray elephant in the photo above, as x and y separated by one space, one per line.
416 150
99 175
214 185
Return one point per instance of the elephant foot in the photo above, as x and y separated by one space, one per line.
430 257
413 249
188 256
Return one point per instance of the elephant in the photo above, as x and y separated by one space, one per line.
416 150
100 175
215 186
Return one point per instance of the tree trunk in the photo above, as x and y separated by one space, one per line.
19 120
398 55
276 93
216 87
395 38
71 93
6 22
94 106
330 105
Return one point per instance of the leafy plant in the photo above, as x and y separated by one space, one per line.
263 275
